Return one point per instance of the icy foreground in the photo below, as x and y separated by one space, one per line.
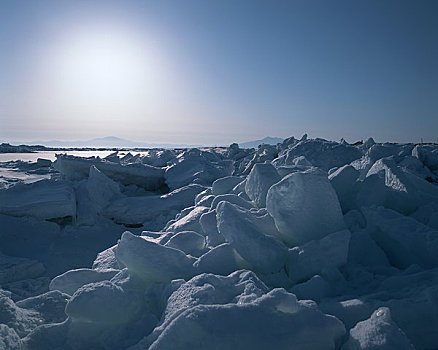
309 244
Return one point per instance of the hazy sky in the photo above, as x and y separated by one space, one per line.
213 72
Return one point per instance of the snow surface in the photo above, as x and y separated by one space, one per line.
307 244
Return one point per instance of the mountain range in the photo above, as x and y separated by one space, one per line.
117 142
108 142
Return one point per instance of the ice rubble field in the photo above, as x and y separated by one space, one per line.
309 244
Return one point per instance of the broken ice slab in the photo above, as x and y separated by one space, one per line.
46 199
142 175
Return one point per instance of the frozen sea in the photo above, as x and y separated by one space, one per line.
309 244
32 157
12 170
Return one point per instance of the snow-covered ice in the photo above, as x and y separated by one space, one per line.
304 206
152 262
43 200
260 179
377 332
239 227
307 244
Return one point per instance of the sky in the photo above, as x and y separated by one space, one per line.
218 71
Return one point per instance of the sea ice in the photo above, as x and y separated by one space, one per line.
231 198
313 257
264 153
378 332
190 242
104 303
101 189
15 269
221 238
324 154
205 320
152 262
304 207
208 224
428 155
404 240
26 315
196 166
46 199
146 176
344 181
239 227
70 281
106 260
9 340
260 179
222 260
225 184
138 210
189 222
316 288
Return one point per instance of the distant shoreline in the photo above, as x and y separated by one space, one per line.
8 148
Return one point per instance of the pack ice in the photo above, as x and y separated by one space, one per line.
309 244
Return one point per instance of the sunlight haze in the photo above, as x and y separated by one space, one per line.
219 71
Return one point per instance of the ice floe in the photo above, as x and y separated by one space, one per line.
307 244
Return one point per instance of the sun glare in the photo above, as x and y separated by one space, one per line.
105 67
98 76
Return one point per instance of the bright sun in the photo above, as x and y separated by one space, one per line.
105 67
100 74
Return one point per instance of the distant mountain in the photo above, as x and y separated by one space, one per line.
255 144
108 142
117 142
